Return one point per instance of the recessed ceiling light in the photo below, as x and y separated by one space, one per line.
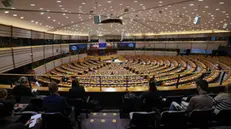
64 14
41 8
59 1
42 13
15 15
221 2
191 4
32 21
83 3
36 22
48 17
32 5
135 1
200 0
217 9
21 17
54 20
60 6
6 11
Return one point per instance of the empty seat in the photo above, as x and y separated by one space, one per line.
174 119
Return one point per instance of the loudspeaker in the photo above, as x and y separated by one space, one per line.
196 20
7 3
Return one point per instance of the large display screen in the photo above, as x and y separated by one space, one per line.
78 48
201 51
126 45
102 45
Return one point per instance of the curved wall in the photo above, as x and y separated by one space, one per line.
15 57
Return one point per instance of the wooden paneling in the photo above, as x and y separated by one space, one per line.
5 31
65 37
37 52
6 60
74 58
65 48
49 36
57 62
22 56
22 33
57 37
48 51
50 66
56 50
38 35
65 60
40 70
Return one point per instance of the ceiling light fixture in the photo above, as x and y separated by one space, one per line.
32 5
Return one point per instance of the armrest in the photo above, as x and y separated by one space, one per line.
88 99
26 113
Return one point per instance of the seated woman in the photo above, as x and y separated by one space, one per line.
223 100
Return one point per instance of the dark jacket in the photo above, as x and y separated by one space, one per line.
151 100
56 103
20 90
77 92
7 108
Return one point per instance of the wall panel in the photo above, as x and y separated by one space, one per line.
22 56
199 45
65 48
6 59
56 50
48 51
171 45
5 31
66 60
40 69
57 62
50 66
37 52
184 45
22 33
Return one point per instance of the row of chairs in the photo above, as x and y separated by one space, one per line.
180 120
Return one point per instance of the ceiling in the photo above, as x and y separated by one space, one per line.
75 17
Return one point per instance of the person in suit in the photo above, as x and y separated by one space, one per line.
54 102
22 88
76 90
151 99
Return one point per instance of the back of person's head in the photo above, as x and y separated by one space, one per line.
75 83
3 94
228 88
202 85
152 86
53 87
23 81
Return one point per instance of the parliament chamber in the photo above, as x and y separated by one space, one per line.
99 64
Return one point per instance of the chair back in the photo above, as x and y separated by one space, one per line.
144 120
222 117
25 99
55 121
36 104
174 119
1 110
201 117
77 103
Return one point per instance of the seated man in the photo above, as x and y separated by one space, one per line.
199 102
54 102
223 100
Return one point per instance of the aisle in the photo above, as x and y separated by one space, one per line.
104 121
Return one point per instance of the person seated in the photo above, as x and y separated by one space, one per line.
76 90
7 107
22 88
223 100
151 99
54 102
199 102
